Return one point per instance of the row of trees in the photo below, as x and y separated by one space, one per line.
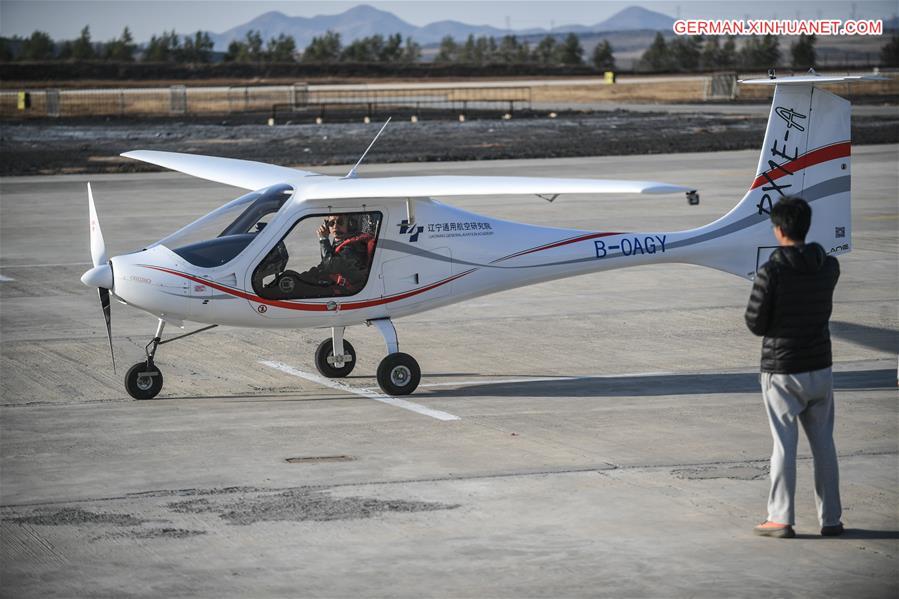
198 48
168 47
171 47
40 46
682 54
326 49
509 50
395 50
695 53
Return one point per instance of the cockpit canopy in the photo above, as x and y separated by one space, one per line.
219 236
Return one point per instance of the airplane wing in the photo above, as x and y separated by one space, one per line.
257 175
439 186
239 173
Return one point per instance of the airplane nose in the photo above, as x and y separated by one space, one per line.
98 276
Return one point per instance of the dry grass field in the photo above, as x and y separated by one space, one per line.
665 89
102 98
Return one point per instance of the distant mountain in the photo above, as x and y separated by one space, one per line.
364 20
634 18
434 32
357 22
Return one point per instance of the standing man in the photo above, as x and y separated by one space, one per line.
790 306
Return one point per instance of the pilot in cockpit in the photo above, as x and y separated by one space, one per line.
346 252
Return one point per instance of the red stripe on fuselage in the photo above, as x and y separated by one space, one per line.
307 307
555 245
831 152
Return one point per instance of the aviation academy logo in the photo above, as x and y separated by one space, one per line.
413 231
448 229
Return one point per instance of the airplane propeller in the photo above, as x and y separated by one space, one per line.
100 276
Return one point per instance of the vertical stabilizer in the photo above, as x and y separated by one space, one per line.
806 153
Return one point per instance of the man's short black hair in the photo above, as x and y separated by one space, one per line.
794 217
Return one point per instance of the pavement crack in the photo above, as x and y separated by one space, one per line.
599 468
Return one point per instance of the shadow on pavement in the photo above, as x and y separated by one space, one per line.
877 338
863 533
657 385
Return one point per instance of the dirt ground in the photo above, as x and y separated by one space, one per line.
93 146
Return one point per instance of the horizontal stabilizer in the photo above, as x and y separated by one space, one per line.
445 186
245 174
813 79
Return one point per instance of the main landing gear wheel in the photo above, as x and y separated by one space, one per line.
398 374
325 352
143 381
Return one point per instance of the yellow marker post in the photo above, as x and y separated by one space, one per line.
24 101
609 77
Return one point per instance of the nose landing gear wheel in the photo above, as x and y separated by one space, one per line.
325 351
143 381
398 374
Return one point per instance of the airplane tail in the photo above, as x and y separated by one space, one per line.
806 153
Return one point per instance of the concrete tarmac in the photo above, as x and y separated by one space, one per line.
609 438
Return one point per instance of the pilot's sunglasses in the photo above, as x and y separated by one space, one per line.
333 222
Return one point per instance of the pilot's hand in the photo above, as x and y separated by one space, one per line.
323 231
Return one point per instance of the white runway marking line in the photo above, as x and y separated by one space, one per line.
5 279
367 393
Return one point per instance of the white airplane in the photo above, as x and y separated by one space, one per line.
390 250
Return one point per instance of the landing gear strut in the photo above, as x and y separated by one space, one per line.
144 379
398 373
335 365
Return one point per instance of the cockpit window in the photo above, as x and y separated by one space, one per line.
215 252
258 214
324 255
221 235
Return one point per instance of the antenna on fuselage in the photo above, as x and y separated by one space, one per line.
352 173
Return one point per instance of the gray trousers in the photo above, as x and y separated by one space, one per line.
806 397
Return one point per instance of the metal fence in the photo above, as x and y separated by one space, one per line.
721 86
316 100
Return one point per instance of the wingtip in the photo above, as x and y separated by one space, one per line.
663 188
142 154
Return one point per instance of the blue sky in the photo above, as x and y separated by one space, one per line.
63 19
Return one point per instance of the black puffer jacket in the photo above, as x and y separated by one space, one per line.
790 305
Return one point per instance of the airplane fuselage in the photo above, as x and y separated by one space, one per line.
445 256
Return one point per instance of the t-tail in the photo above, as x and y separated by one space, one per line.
806 153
